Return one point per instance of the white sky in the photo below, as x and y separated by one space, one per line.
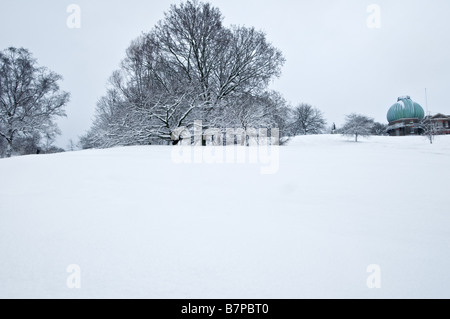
334 61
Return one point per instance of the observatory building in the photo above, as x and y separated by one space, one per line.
405 117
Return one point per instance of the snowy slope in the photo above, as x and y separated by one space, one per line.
140 225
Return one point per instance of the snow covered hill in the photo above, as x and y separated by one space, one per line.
141 225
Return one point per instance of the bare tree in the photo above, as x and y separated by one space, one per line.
307 120
217 62
357 125
30 97
430 128
189 67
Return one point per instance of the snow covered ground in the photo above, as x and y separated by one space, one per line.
140 225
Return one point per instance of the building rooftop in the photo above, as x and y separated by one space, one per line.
405 108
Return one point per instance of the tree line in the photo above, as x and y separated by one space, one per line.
189 67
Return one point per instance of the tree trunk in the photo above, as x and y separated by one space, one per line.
356 137
9 149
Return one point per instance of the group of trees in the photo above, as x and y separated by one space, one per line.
358 125
189 67
306 120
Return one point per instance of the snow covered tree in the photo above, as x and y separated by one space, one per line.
357 125
307 120
430 128
379 129
188 67
30 98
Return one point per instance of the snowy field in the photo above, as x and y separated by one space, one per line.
140 225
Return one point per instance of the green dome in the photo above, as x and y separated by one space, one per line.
405 108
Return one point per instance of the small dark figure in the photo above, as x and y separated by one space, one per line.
176 142
38 151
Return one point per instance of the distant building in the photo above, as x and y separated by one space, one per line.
441 122
404 117
407 117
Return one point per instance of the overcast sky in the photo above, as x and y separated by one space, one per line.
334 60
